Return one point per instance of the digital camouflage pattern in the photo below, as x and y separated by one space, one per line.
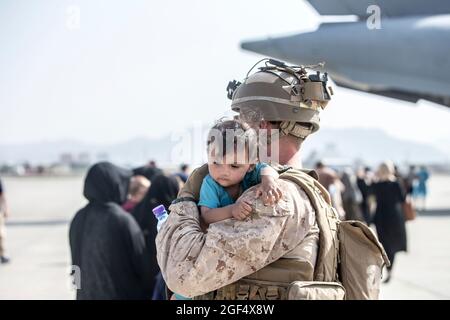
194 263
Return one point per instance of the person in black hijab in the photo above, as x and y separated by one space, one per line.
150 171
106 242
163 190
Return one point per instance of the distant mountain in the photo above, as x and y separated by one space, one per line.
370 145
135 151
443 145
42 152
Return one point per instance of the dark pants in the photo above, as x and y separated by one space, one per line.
159 292
366 212
391 257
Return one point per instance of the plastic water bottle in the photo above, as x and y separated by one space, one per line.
160 214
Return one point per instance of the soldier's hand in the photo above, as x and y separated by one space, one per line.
269 191
241 210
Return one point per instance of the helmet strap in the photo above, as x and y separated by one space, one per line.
294 129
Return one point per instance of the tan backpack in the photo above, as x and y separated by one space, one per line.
348 265
349 251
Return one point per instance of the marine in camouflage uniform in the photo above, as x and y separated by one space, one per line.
274 239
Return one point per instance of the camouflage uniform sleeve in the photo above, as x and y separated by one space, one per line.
191 188
194 263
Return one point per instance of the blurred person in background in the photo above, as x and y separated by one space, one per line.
150 170
402 179
351 196
136 192
420 188
183 174
3 216
410 180
163 190
106 242
330 180
363 182
389 219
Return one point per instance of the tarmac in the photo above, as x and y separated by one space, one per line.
41 209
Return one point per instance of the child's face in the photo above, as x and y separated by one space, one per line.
227 172
139 195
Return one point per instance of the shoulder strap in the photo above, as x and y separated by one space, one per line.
327 221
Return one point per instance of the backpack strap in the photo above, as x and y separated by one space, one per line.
327 221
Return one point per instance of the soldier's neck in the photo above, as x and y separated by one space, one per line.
289 154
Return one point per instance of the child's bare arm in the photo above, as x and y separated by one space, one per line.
268 171
210 215
239 210
269 190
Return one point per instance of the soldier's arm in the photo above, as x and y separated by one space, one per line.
191 188
194 263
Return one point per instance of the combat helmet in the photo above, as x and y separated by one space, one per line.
279 92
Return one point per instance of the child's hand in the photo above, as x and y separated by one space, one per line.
269 191
241 210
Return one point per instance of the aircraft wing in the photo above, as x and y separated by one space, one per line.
388 8
406 59
401 95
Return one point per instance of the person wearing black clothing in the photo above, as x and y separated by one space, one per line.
150 171
106 242
163 190
389 219
183 173
410 179
364 188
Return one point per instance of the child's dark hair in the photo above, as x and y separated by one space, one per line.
235 133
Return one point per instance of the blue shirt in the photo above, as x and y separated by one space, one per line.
213 195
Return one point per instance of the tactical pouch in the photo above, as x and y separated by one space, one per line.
315 290
246 289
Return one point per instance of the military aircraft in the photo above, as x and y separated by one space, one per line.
404 55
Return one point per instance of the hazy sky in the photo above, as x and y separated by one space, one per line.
143 68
